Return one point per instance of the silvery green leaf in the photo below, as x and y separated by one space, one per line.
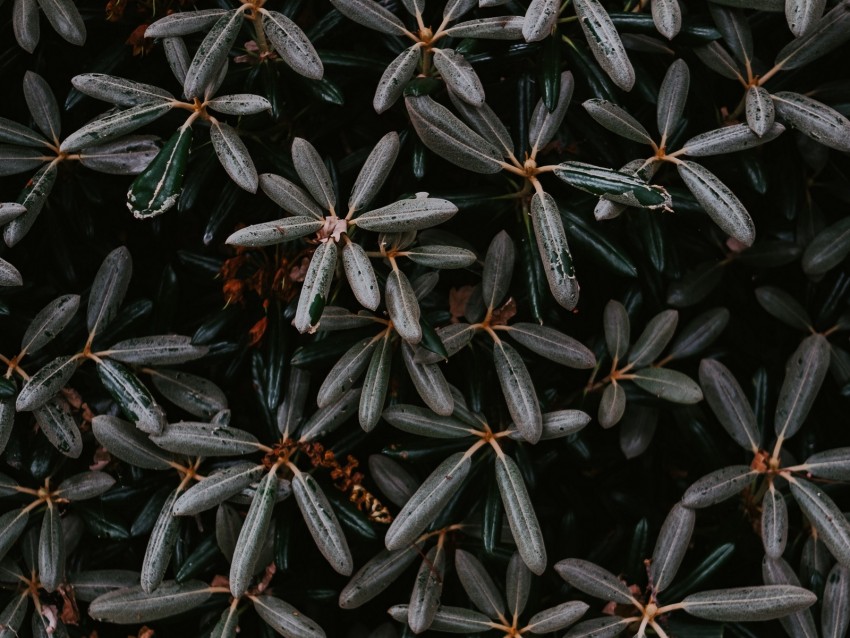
774 523
132 606
800 624
455 336
275 232
654 338
85 485
10 210
594 580
330 417
699 333
8 486
667 16
553 345
557 618
827 249
559 424
370 14
783 306
612 405
403 307
804 375
240 104
42 105
285 619
721 204
233 155
161 542
90 584
669 385
108 289
65 19
759 110
177 56
826 517
376 383
253 535
493 28
314 291
14 160
498 269
20 135
454 9
346 371
485 122
376 575
802 15
539 19
827 34
184 23
26 25
729 139
124 441
453 620
119 91
637 429
624 188
46 383
615 323
49 322
51 549
56 423
732 23
424 422
108 127
32 198
554 251
157 189
459 76
374 172
338 318
205 439
292 45
132 396
831 464
12 525
478 585
442 132
815 119
670 548
212 54
718 486
544 124
129 155
427 589
414 7
729 404
322 523
429 382
605 43
616 119
520 513
518 390
422 508
217 488
407 214
718 60
227 625
289 196
313 173
9 275
156 350
672 97
361 276
394 481
441 256
748 603
198 396
395 77
835 609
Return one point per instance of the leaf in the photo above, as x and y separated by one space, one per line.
459 75
407 215
33 197
376 575
109 127
605 43
493 28
614 185
520 513
429 382
184 23
46 383
732 23
128 155
748 603
56 423
594 580
802 15
557 618
554 251
729 404
784 307
132 605
721 204
253 535
814 119
827 34
615 323
699 333
431 497
612 405
13 614
759 110
331 417
12 525
729 139
17 159
126 442
292 45
553 345
718 486
374 172
456 620
441 256
835 609
313 173
119 91
517 584
544 124
539 20
109 288
804 375
314 291
275 232
616 119
25 23
442 132
424 422
156 350
827 249
177 56
134 398
669 385
478 585
322 523
370 14
198 396
654 338
85 485
212 55
217 488
395 78
157 189
161 542
598 628
718 60
667 16
65 19
51 549
774 523
9 275
427 588
672 96
831 525
19 135
284 618
672 543
403 307
205 439
42 105
518 390
233 155
240 104
290 197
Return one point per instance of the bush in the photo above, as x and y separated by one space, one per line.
519 318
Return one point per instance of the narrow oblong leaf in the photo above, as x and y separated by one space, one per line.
594 580
554 251
26 24
716 58
732 23
403 307
376 575
544 123
518 579
804 375
313 173
833 528
233 155
161 542
718 486
493 28
285 619
429 382
85 485
65 19
539 19
827 34
51 549
759 110
253 535
442 257
748 603
553 345
109 127
518 390
198 396
427 588
557 618
672 97
802 15
124 441
598 628
395 78
654 338
605 43
814 119
290 197
699 333
615 322
407 215
459 76
58 425
314 291
424 422
454 620
46 383
32 198
784 307
119 91
835 611
135 399
240 104
374 172
498 269
361 276
612 405
667 16
370 14
827 249
42 105
292 45
672 543
774 523
212 54
394 481
275 232
669 385
108 289
729 139
217 488
322 523
157 189
133 605
613 185
184 23
478 585
205 439
520 514
616 119
376 384
729 403
156 350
